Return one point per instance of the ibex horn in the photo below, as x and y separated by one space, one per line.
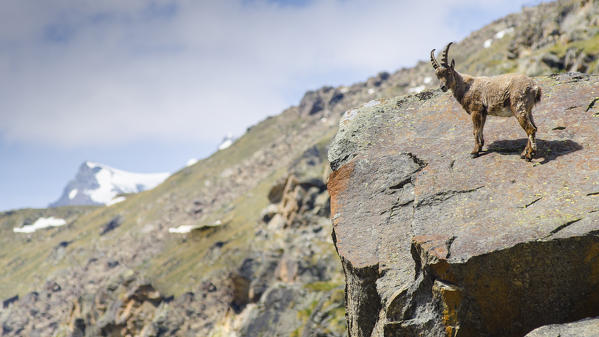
444 56
433 60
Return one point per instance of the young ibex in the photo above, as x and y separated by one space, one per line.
503 95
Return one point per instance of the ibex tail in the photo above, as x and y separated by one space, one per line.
537 94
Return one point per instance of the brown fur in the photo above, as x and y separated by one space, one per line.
504 95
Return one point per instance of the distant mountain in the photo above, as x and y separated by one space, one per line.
97 184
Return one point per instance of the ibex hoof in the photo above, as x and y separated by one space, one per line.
527 155
474 155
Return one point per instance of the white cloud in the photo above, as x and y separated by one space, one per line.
78 73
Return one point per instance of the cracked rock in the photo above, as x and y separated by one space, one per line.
434 243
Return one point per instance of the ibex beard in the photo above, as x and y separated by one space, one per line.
504 95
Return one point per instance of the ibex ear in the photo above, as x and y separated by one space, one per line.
452 63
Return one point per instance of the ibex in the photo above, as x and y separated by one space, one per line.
504 95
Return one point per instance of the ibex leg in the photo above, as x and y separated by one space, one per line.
478 122
525 120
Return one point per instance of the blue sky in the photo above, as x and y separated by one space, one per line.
146 85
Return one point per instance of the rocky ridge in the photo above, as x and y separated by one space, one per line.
435 243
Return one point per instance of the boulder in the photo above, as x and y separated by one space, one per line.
269 212
434 243
313 102
577 60
585 327
111 225
552 60
275 194
275 316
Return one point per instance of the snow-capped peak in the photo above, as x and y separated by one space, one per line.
98 184
91 165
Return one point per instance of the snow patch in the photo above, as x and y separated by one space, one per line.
371 91
190 162
427 80
415 90
372 103
227 141
225 144
73 193
500 34
188 228
182 229
39 224
344 90
115 200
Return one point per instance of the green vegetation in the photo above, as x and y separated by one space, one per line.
334 307
303 315
330 307
179 266
23 256
491 61
323 285
589 46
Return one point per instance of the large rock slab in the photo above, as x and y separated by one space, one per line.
435 243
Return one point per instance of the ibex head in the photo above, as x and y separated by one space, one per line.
445 72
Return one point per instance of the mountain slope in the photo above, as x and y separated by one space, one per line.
269 267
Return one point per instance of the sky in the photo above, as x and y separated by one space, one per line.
145 85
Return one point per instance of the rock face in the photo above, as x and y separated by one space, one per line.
585 327
288 279
434 243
